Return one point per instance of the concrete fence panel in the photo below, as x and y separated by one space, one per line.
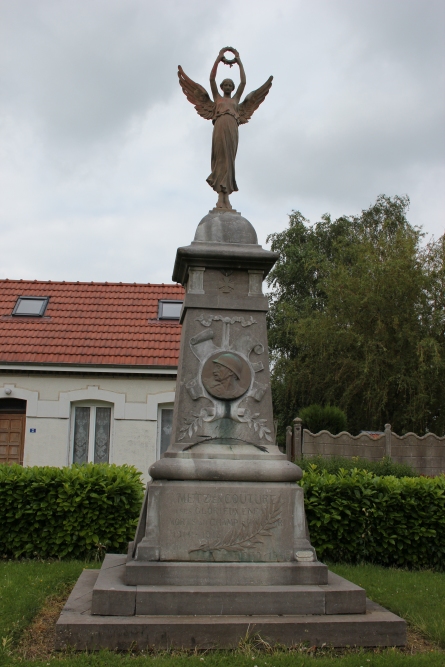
426 453
343 444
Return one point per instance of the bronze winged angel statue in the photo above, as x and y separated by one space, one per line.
226 113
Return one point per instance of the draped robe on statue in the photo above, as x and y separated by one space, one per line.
224 145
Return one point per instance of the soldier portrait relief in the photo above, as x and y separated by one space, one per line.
226 375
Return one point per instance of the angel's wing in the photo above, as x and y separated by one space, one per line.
253 100
197 95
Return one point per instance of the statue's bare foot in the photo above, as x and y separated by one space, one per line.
220 202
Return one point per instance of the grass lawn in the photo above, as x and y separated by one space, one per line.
418 597
24 586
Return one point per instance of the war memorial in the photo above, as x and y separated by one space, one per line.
222 549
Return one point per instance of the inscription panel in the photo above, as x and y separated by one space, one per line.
241 523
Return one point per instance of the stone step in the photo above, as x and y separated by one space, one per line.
77 628
247 600
111 596
158 573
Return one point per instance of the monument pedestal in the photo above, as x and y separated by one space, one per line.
222 548
166 615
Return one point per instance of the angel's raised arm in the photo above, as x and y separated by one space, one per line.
242 75
213 85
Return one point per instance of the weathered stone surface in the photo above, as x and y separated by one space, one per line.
343 597
224 301
224 521
225 227
204 418
111 595
222 255
80 599
203 468
229 600
223 406
225 574
79 629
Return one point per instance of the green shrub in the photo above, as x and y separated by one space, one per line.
329 418
334 464
77 512
355 516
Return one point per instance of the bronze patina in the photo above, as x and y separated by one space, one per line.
226 113
226 375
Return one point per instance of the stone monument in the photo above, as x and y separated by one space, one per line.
222 547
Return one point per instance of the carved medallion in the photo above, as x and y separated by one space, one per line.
226 375
226 285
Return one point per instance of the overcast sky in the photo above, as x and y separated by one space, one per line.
104 162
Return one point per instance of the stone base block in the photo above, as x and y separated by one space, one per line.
225 574
112 597
228 600
79 629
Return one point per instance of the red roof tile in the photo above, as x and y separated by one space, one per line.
90 323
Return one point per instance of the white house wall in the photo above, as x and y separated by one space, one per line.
134 403
135 441
48 445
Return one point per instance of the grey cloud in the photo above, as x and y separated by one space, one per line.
84 69
104 161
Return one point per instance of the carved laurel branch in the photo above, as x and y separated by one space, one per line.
227 320
192 425
247 536
258 425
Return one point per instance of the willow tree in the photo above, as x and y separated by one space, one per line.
357 319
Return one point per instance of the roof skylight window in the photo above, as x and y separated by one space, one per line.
169 310
31 306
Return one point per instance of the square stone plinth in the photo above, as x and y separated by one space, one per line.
226 574
223 596
224 522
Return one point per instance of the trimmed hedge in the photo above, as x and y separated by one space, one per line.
356 516
353 516
77 512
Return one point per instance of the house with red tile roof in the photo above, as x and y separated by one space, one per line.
88 371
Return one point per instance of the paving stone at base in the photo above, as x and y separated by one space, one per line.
79 629
159 573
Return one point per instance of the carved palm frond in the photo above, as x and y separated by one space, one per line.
258 425
247 536
192 425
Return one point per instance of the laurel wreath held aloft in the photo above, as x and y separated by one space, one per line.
230 61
